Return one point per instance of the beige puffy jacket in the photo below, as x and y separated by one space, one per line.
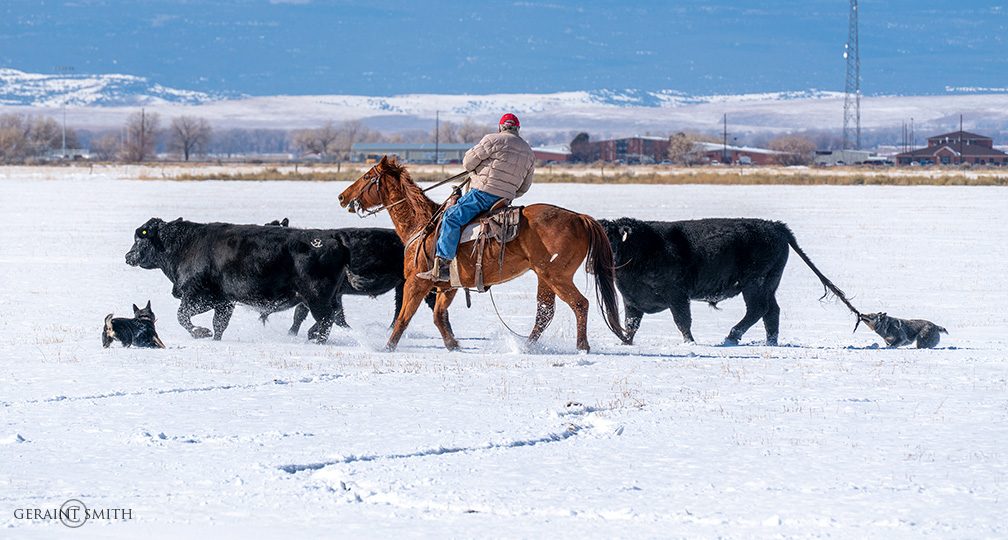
502 164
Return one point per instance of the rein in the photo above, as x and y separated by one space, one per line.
362 212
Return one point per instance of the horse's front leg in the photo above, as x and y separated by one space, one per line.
444 300
413 293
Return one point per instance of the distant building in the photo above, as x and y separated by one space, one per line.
745 155
629 150
955 148
556 153
830 158
409 153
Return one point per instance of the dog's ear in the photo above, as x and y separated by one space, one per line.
285 222
882 315
136 310
178 218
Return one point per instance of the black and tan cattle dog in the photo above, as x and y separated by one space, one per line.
136 332
899 332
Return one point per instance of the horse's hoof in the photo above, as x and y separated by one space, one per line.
199 332
730 342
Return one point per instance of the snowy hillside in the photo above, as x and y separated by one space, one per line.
104 101
264 435
45 90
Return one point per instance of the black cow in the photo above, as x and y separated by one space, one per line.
663 265
216 265
375 267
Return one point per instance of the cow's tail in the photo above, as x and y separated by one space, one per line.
830 287
600 262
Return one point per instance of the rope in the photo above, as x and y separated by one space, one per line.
492 301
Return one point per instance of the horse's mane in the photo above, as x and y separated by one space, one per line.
412 192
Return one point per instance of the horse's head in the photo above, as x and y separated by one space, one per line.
365 193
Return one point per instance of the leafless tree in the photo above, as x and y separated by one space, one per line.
141 136
321 141
189 135
106 147
23 137
447 132
471 132
797 150
350 133
683 149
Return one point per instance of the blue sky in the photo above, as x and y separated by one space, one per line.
384 47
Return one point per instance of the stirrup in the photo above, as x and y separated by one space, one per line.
439 272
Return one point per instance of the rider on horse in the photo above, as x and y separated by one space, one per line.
501 165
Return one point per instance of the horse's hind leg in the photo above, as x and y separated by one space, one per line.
570 294
444 300
545 309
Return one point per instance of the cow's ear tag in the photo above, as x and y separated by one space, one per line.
316 243
625 233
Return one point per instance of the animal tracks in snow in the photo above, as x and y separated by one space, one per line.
325 377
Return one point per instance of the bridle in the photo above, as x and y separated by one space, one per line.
375 182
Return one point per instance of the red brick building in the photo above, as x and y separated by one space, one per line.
955 148
628 150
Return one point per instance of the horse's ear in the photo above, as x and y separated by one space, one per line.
384 160
148 305
136 310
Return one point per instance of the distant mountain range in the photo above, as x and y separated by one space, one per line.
103 101
47 90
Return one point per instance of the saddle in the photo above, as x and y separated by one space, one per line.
498 224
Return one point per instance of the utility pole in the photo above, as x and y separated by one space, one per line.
65 70
437 137
143 128
960 140
724 141
852 86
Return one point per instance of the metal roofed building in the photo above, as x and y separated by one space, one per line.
409 152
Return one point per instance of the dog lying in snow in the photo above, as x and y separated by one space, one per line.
136 332
899 332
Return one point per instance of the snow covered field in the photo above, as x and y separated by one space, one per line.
263 435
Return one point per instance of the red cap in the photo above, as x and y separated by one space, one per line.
509 120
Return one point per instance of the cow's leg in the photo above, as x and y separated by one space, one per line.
545 309
680 308
339 318
300 313
441 319
398 302
322 311
631 321
570 294
413 293
221 318
756 307
771 320
189 308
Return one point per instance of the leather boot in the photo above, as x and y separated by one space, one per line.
441 271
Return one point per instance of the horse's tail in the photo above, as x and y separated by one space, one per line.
600 262
830 287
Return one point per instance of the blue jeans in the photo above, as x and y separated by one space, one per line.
457 216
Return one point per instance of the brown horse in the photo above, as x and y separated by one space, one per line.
552 242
